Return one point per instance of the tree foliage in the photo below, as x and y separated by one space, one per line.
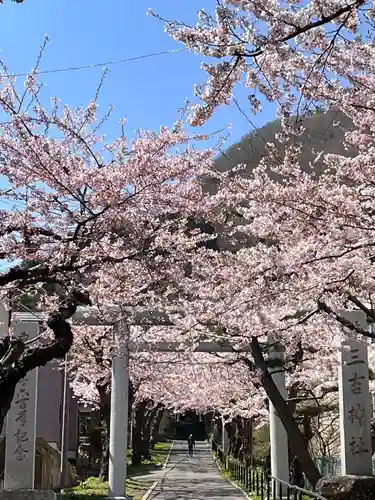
87 218
308 213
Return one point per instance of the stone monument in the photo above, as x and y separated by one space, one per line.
21 423
354 404
356 481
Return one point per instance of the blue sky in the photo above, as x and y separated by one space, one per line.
147 92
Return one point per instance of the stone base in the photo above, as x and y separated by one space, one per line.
123 498
347 488
27 495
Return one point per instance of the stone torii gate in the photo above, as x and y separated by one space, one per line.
120 391
356 458
120 397
120 387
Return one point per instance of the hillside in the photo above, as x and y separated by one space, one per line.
320 135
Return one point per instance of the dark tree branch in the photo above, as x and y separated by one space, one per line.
31 231
370 313
57 348
16 361
15 350
42 272
340 254
297 441
343 321
324 20
299 30
4 345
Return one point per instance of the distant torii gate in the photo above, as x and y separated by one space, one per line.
120 393
120 387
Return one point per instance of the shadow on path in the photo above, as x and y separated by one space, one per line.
146 468
194 478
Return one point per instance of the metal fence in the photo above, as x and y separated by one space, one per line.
328 466
331 466
258 483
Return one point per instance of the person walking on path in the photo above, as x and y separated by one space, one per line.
191 444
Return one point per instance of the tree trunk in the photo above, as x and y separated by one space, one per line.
246 448
146 435
295 436
148 431
7 384
156 426
238 441
103 388
292 405
6 396
251 442
231 433
104 459
217 429
138 433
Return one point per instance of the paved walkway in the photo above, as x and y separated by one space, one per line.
193 478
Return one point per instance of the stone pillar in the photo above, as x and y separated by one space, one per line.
356 456
21 422
4 330
64 473
278 435
119 415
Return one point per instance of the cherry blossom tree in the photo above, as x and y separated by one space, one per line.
104 222
312 253
291 53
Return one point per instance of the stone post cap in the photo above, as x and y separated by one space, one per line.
27 495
